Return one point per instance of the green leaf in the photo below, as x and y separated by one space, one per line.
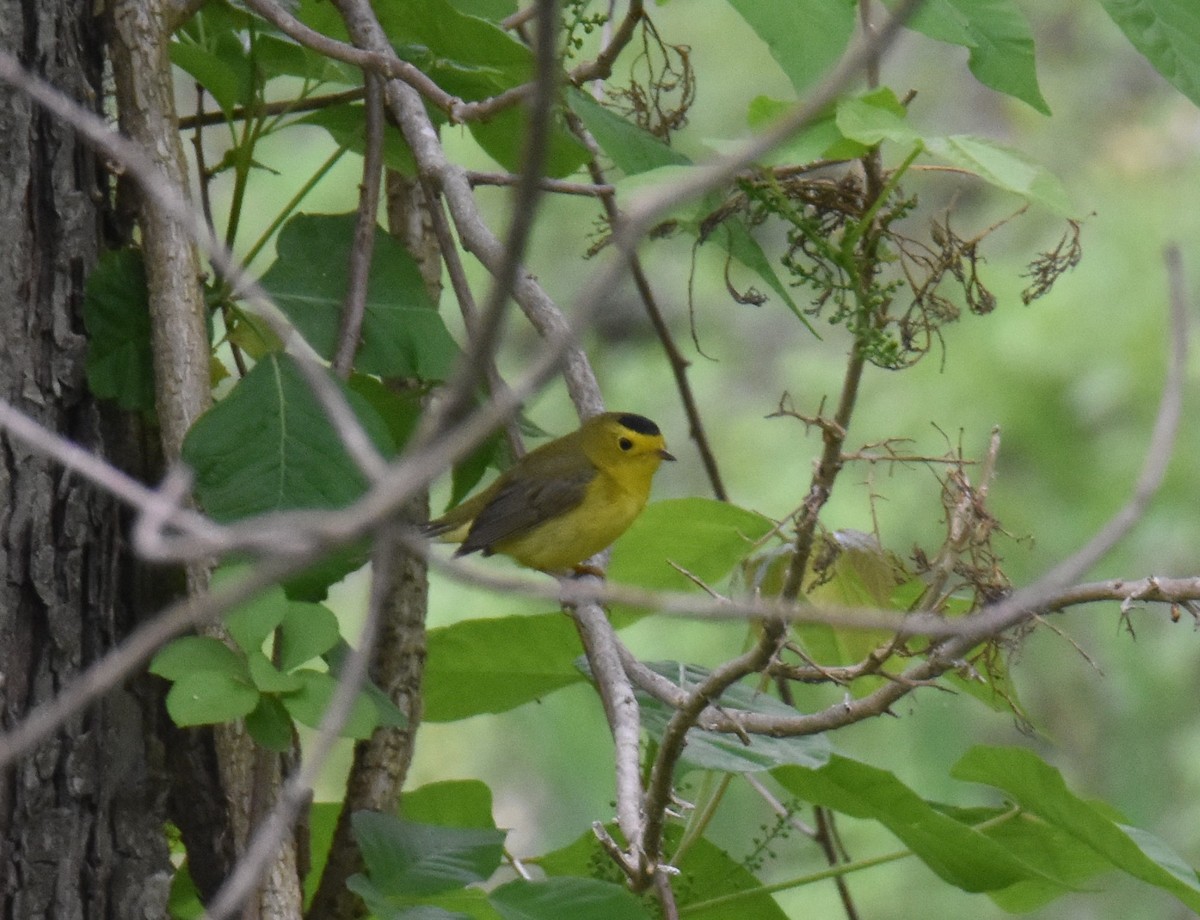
1040 789
999 40
1167 33
707 871
323 820
704 537
183 903
116 314
805 37
210 48
270 725
874 117
734 236
727 752
820 140
450 803
564 896
1035 843
497 664
855 571
187 654
346 124
207 697
252 622
308 704
503 139
402 334
399 409
307 630
268 678
959 854
465 55
632 149
268 446
411 859
276 55
387 713
1004 168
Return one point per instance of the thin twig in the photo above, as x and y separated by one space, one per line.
265 109
472 371
678 363
354 307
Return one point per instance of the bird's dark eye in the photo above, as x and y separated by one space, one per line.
625 444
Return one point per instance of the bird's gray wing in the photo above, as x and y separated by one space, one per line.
522 504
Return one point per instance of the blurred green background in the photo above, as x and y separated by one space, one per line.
1073 382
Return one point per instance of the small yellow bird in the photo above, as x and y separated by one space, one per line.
565 501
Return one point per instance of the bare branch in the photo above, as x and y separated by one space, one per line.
486 332
355 305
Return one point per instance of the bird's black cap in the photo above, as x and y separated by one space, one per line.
638 423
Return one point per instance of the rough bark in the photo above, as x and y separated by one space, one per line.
81 818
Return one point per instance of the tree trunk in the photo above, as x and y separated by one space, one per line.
81 817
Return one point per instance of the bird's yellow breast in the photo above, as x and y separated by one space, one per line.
608 508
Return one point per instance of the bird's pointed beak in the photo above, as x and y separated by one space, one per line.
666 454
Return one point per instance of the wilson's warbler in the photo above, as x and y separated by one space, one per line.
565 501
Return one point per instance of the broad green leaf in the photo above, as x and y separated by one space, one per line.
1035 843
727 752
702 536
407 858
207 697
387 714
942 21
821 140
855 571
210 48
632 149
467 56
874 117
400 410
998 38
402 334
734 237
713 873
805 37
268 678
308 704
1167 33
503 136
564 896
1040 789
959 854
706 872
270 725
493 665
187 654
469 470
450 803
250 623
322 824
116 314
346 124
494 10
268 446
1004 168
276 55
183 903
307 630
